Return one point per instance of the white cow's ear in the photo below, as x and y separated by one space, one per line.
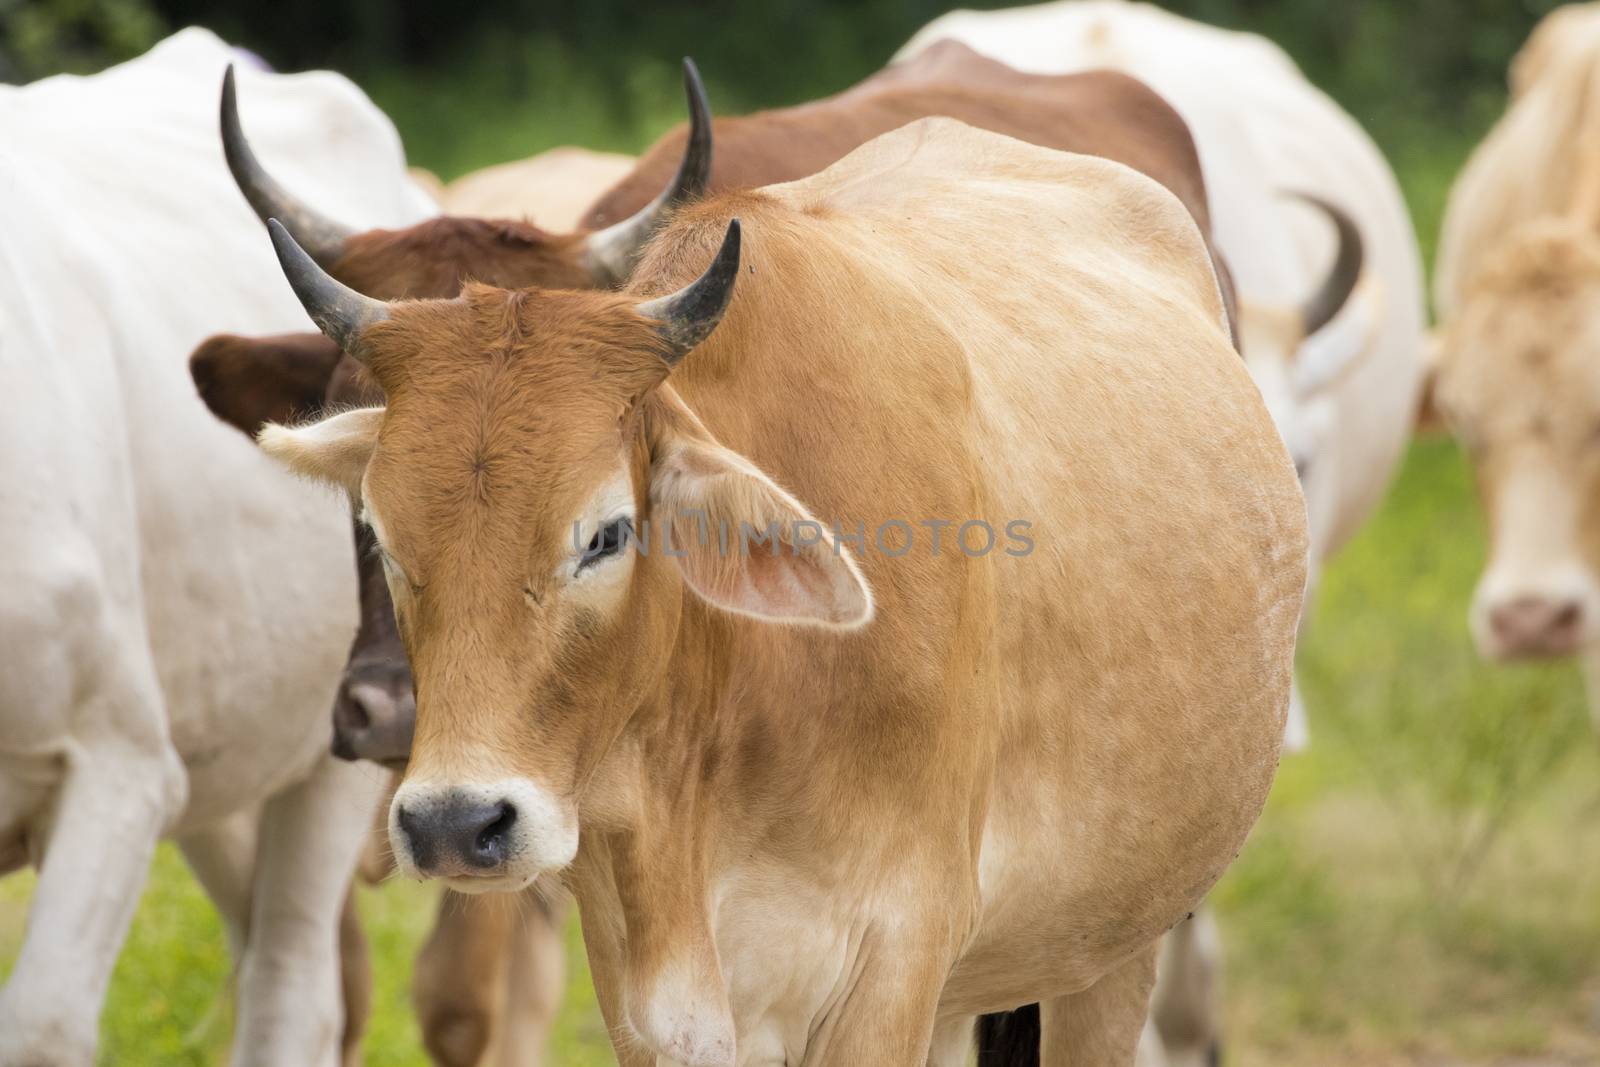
335 450
744 544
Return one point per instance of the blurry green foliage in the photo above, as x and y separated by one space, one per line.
39 37
1394 62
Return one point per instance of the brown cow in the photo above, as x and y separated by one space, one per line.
833 802
1107 114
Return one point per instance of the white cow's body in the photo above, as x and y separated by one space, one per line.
1263 130
176 610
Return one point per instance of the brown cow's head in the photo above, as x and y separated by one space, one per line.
522 485
249 382
1518 379
434 258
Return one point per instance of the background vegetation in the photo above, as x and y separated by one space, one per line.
1425 884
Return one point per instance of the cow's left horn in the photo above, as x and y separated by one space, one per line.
610 254
688 316
1320 308
338 310
316 233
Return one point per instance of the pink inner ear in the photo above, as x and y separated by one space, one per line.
814 585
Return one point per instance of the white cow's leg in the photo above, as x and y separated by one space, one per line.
1185 1007
289 983
111 809
222 856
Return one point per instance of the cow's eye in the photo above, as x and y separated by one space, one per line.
607 541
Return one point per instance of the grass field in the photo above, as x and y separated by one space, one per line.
1424 887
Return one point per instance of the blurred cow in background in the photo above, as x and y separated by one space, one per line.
551 190
175 609
1517 289
1331 316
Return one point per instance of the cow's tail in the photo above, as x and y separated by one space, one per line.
1009 1038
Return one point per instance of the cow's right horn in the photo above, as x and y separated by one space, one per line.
317 234
338 310
610 254
688 316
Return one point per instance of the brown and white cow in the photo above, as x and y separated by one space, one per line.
823 804
1517 288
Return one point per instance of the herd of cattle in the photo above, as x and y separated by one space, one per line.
821 799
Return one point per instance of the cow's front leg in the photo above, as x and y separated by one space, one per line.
93 847
1100 1026
535 979
289 983
458 983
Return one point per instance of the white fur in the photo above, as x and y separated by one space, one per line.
177 607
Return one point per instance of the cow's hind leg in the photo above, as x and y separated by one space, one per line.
289 983
952 1042
1101 1026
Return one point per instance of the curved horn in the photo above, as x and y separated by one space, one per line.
323 238
689 315
610 254
1320 308
338 310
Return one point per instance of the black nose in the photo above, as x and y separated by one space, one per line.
457 835
374 714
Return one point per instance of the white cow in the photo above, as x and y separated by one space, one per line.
176 610
1345 396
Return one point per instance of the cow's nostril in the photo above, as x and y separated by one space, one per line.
1567 616
490 843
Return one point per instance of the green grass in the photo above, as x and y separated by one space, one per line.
1425 883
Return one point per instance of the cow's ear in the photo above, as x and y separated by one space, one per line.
744 544
248 382
335 450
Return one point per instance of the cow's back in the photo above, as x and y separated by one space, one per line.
1008 333
126 245
1098 113
1262 131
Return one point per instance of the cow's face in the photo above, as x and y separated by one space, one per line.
1518 378
528 451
